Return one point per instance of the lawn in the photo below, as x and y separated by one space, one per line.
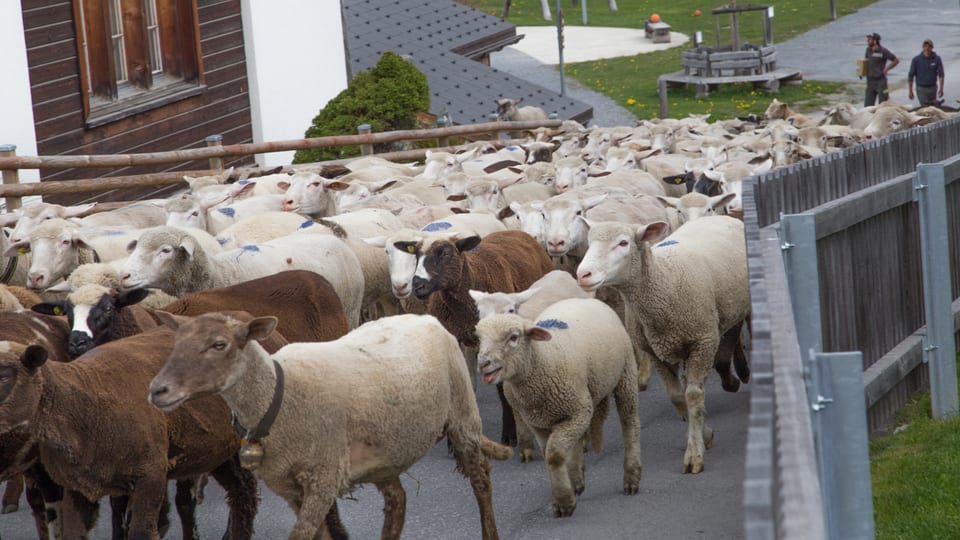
635 83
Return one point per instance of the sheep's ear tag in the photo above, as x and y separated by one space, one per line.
677 180
57 311
250 454
411 249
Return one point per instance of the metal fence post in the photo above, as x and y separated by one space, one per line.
442 141
216 163
938 345
365 149
494 117
844 453
10 176
798 242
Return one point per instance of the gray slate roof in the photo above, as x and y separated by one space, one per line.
441 37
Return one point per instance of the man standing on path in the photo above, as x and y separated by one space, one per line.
927 69
877 57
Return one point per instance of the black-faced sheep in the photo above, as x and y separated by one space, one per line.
128 447
361 409
686 293
558 373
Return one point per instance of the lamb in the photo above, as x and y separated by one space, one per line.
191 211
448 267
551 288
507 110
333 395
171 260
128 447
688 296
780 110
558 374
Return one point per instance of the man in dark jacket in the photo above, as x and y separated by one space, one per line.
927 69
877 57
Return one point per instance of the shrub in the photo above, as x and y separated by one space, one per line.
388 97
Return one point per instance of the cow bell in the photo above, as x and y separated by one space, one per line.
251 455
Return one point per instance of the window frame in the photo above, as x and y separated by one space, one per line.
105 99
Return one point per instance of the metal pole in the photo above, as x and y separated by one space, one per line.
215 140
798 242
938 345
442 141
563 86
844 451
11 176
833 10
583 9
365 149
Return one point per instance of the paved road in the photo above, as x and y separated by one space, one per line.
670 505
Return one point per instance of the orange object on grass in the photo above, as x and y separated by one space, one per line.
655 17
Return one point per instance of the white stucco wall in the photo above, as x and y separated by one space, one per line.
16 126
295 64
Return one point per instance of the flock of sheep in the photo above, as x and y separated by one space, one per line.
326 327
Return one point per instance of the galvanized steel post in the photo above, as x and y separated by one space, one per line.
844 454
938 345
798 242
365 149
10 176
442 141
216 163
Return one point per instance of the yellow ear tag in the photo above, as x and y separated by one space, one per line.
410 249
57 311
21 252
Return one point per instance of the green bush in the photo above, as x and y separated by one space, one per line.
388 97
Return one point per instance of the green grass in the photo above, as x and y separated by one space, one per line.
916 490
632 81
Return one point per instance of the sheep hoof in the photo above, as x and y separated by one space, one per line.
642 387
707 437
731 384
692 465
526 455
630 488
564 509
10 508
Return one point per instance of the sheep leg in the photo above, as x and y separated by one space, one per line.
565 440
524 439
741 364
186 502
699 436
595 439
77 516
625 395
473 464
335 528
724 355
144 506
508 434
35 500
319 488
576 468
241 488
394 508
11 494
671 380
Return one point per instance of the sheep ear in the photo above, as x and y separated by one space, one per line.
16 250
261 327
719 201
63 286
587 222
538 334
33 357
523 296
505 212
669 202
131 246
468 243
131 297
376 241
476 295
652 231
189 245
170 320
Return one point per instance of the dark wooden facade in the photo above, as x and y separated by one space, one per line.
222 108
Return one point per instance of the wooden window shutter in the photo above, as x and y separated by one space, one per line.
103 80
135 40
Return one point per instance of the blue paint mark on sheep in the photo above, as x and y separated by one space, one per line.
552 323
242 182
667 243
114 233
307 223
251 248
438 226
229 212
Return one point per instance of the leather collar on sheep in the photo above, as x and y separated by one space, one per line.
263 427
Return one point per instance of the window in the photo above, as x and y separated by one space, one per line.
136 55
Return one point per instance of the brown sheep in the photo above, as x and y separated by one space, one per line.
128 448
304 301
506 261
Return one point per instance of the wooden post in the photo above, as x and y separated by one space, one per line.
216 163
365 149
11 176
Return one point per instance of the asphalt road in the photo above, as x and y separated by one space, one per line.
440 504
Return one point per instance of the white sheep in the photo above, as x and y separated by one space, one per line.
260 228
559 373
107 275
137 215
696 205
173 261
685 293
551 288
361 409
507 110
191 211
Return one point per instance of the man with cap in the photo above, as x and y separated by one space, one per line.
877 57
927 69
